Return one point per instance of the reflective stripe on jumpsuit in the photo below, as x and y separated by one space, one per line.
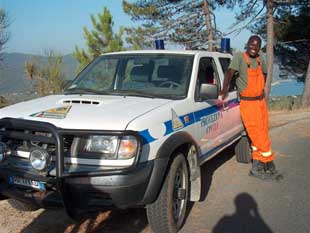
254 114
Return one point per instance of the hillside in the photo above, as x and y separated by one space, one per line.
12 75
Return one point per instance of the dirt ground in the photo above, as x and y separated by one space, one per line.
279 118
56 221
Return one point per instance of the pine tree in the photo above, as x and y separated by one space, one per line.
178 21
136 37
101 39
292 37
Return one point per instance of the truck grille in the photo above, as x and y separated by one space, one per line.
21 137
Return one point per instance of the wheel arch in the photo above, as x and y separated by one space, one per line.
178 142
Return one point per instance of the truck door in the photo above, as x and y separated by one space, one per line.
208 114
232 124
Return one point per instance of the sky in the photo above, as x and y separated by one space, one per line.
39 25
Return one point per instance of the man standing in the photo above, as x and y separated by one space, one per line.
250 81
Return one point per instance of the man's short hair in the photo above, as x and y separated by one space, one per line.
255 37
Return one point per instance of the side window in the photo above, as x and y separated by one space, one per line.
225 62
207 73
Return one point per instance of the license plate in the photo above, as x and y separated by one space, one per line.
26 182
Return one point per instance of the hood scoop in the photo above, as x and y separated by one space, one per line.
81 101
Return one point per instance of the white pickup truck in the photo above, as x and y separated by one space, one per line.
132 130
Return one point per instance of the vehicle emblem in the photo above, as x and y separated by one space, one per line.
176 121
56 113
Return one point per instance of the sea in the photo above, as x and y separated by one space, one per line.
289 87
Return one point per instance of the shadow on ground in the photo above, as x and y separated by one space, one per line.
246 219
116 221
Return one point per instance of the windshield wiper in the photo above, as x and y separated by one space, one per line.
85 91
147 95
121 93
172 97
136 93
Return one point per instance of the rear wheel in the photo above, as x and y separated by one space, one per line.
16 204
167 213
243 150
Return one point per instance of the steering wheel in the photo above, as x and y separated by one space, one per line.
170 84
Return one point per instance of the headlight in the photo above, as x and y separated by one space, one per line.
39 159
112 147
101 144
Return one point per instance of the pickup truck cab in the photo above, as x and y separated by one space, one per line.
132 130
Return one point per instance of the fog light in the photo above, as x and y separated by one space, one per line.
39 159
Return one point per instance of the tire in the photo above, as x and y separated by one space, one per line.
22 206
243 150
167 213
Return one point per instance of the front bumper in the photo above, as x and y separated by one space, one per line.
82 190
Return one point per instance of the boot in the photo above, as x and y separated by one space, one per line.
270 169
265 171
258 170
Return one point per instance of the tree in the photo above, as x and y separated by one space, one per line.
4 23
47 76
208 25
135 37
293 36
100 40
270 45
306 93
190 23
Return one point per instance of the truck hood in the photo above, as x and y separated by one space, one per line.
84 111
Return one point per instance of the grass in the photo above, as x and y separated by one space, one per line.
284 103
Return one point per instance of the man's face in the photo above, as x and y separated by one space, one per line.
253 47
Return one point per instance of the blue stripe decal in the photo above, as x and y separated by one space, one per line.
205 112
146 136
191 118
169 129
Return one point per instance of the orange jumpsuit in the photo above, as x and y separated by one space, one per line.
254 113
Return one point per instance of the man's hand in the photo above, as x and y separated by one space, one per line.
222 95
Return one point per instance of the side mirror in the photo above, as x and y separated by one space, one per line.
208 91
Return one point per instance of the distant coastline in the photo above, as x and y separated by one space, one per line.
289 87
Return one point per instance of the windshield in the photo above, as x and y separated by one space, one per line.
146 75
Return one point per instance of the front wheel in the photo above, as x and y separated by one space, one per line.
167 213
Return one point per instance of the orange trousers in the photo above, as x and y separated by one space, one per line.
255 118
